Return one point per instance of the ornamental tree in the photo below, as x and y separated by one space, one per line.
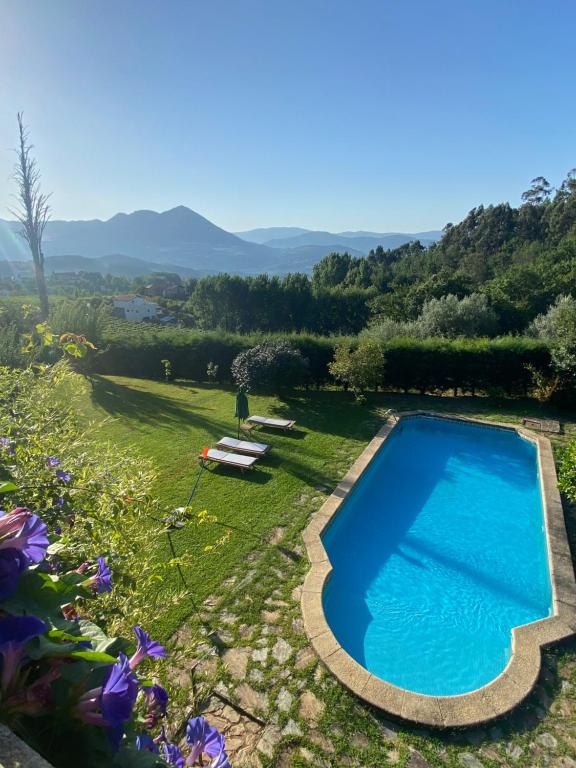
361 368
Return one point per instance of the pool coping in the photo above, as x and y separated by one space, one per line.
518 679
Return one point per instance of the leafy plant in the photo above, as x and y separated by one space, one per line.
167 369
270 367
212 371
359 368
61 671
80 570
567 472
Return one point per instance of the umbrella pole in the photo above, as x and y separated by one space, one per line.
238 428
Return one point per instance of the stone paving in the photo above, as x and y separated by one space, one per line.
279 708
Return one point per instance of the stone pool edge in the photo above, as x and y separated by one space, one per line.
517 680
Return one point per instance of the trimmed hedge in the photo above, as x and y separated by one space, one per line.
465 364
136 349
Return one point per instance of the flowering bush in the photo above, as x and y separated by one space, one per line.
272 366
96 497
79 563
61 674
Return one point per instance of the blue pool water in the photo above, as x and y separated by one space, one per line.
438 552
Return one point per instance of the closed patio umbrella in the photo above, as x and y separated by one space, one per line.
242 411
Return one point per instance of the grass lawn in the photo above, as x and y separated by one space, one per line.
170 423
264 664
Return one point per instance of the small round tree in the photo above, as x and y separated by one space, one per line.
361 368
273 366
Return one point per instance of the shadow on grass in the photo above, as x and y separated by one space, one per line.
256 475
294 434
150 408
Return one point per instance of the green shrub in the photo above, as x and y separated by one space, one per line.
136 349
434 364
359 368
273 366
567 473
466 364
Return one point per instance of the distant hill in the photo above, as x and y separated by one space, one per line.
360 241
304 257
115 264
181 240
178 237
265 234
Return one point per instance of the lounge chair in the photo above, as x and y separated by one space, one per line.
243 446
231 459
263 421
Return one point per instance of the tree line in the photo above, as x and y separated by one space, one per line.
511 263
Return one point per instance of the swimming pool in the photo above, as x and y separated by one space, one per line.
439 569
437 554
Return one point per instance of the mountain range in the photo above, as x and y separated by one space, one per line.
181 240
295 237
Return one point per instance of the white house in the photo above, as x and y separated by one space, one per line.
134 307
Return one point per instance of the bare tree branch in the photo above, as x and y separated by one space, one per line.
32 207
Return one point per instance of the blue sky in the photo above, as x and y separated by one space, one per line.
330 114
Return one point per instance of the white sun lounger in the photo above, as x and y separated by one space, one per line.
263 421
243 446
232 459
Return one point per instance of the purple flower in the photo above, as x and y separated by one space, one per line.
172 754
102 579
119 692
65 477
220 761
111 704
15 632
52 461
146 647
156 703
36 699
146 743
30 536
8 445
203 738
12 563
11 522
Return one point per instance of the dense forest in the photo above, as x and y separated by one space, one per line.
491 307
520 259
514 261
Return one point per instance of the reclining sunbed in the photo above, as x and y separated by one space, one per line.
263 421
243 446
231 459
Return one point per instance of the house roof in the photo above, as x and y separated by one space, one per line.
131 296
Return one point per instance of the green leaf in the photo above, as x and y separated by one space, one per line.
56 547
42 594
41 646
8 487
94 656
128 757
60 634
75 350
101 642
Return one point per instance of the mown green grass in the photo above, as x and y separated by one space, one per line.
170 423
